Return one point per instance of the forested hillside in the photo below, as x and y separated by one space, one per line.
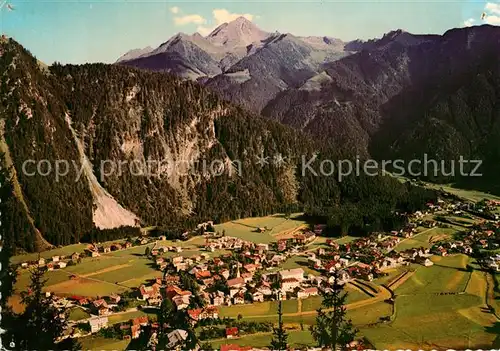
99 114
407 95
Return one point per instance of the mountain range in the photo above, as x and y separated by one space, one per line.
401 96
244 63
142 148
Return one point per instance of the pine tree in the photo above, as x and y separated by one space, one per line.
181 320
7 272
41 324
165 317
279 335
333 329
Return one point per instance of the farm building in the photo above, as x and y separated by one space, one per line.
97 323
231 332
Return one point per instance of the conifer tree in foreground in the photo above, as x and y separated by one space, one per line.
279 335
7 273
41 324
165 317
333 329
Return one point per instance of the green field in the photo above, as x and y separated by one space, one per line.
124 317
77 313
296 262
345 239
96 343
246 228
86 287
391 275
320 242
446 275
296 338
136 282
360 316
258 309
313 303
138 268
91 265
471 195
463 221
132 251
53 277
425 239
63 251
439 324
98 275
444 321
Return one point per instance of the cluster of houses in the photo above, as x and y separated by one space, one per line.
232 243
55 262
493 262
364 258
133 328
95 250
101 306
245 277
250 273
482 238
224 281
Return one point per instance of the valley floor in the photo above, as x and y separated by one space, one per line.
446 305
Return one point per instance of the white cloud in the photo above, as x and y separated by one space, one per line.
189 19
469 22
223 16
493 8
220 16
492 13
493 20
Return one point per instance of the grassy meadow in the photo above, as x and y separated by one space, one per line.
448 274
267 308
425 319
425 238
96 343
63 251
471 195
296 338
246 229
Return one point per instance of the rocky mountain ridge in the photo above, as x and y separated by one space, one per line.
199 58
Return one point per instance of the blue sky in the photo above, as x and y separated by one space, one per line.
101 31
